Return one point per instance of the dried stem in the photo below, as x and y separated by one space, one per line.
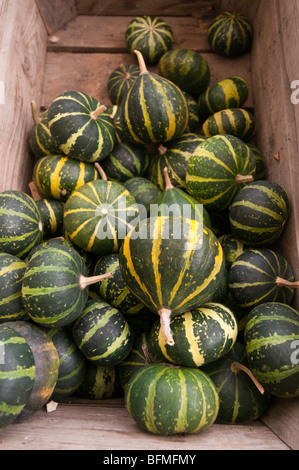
236 367
95 114
243 178
34 113
165 314
101 171
87 281
168 184
283 282
146 354
126 73
141 62
162 149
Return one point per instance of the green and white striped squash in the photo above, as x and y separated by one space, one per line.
200 336
126 161
20 223
271 341
187 69
46 361
231 92
259 212
222 166
57 176
51 212
232 248
234 121
99 383
145 193
120 80
175 156
98 215
150 35
230 34
241 398
40 140
81 126
72 363
259 276
169 400
114 290
17 374
55 285
260 172
172 264
154 110
102 334
12 270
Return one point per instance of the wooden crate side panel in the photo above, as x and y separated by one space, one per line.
248 8
56 13
22 55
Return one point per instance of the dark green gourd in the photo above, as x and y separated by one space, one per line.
126 161
230 34
40 140
12 270
120 80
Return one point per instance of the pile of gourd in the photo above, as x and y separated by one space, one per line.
142 263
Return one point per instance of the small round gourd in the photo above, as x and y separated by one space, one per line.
259 212
145 193
51 212
99 383
200 336
20 223
57 176
232 248
127 160
40 140
81 126
12 270
230 34
187 69
235 121
150 35
102 334
168 400
193 113
271 341
120 80
260 172
17 374
222 166
242 399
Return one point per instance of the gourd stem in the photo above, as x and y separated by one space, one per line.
87 281
34 192
162 149
35 116
95 114
126 74
146 354
283 282
236 367
165 314
101 171
141 62
168 184
243 178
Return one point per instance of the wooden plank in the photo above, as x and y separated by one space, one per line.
106 425
247 8
49 13
107 34
90 72
22 54
143 7
282 417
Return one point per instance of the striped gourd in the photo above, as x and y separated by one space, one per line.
241 398
230 34
260 172
221 292
40 140
72 363
193 113
51 212
126 161
234 121
259 276
46 361
200 336
154 110
17 374
271 340
175 156
172 264
232 248
20 223
144 191
170 400
259 212
97 216
231 92
120 80
114 290
187 69
175 201
100 382
12 270
55 285
217 172
150 35
57 176
102 334
81 126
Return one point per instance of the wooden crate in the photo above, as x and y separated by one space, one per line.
49 46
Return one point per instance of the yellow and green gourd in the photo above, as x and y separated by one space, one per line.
120 80
230 34
234 121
